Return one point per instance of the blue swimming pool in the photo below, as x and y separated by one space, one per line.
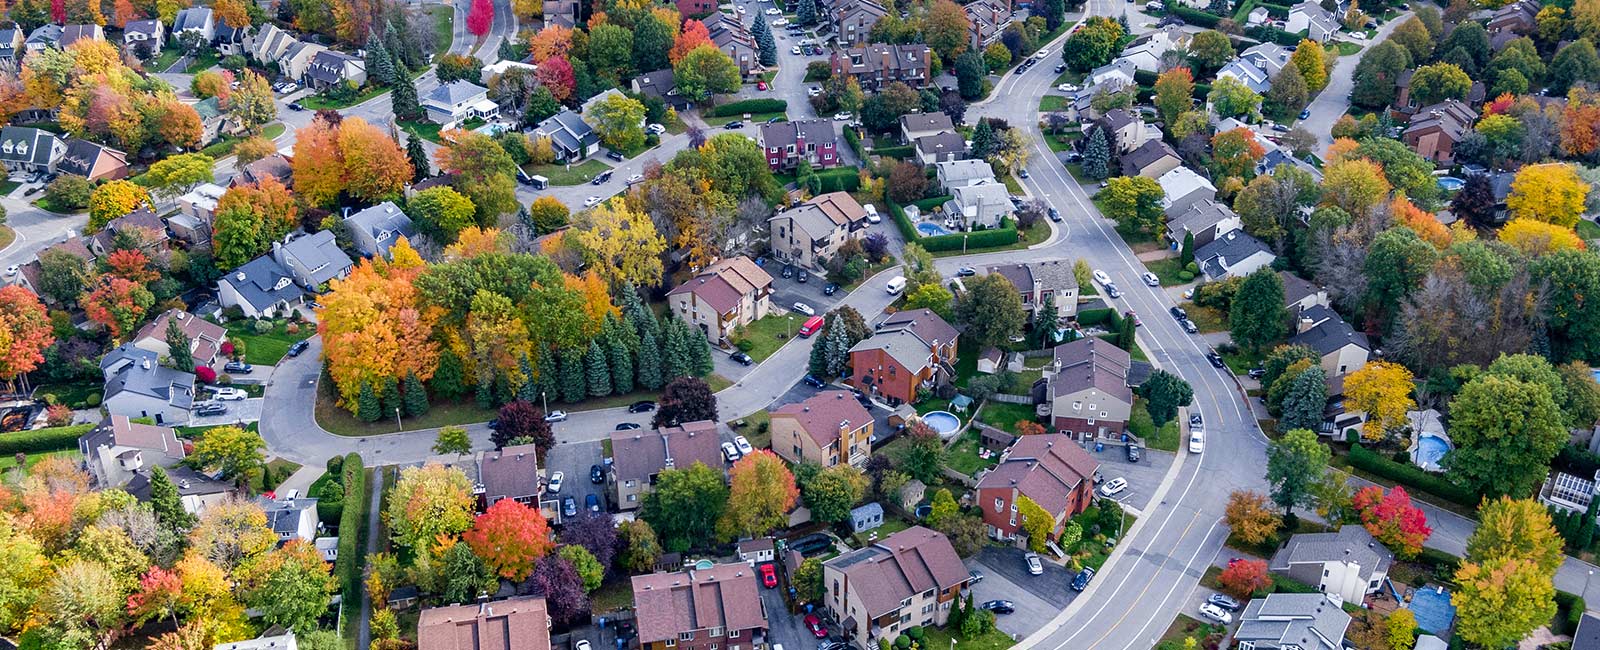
1434 612
943 422
1430 452
931 229
1451 183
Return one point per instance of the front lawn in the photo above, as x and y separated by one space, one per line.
756 119
761 338
566 174
164 60
443 26
963 456
1242 361
1167 269
1060 142
205 61
426 130
266 349
1142 425
939 638
340 422
1037 234
7 235
1187 628
1053 103
321 101
1588 230
1005 416
276 473
7 186
1346 48
1206 318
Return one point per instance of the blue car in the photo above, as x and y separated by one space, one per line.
1081 581
1305 114
593 503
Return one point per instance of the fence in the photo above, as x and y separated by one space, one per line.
1012 399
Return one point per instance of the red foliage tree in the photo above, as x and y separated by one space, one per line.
694 35
157 596
1245 577
132 265
520 419
205 374
510 537
556 74
58 11
118 304
24 331
480 17
1393 519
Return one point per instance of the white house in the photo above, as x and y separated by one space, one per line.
292 517
261 288
195 19
1234 254
985 204
960 173
458 101
148 33
1349 563
119 448
1182 188
138 386
1145 52
1257 66
1310 18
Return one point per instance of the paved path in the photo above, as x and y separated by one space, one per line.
1334 101
374 508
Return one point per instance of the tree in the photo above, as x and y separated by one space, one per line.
996 56
231 449
1382 390
482 171
1395 266
115 199
1250 517
520 419
685 399
1294 462
807 580
1287 96
1392 519
1551 193
807 13
1037 523
1174 88
693 35
81 603
1577 62
1309 62
165 503
1097 154
290 586
620 243
174 176
942 508
970 73
441 212
1092 45
1258 317
1235 152
611 52
1135 203
510 537
589 570
1499 603
452 440
1231 98
991 310
1510 429
705 71
924 457
25 331
427 502
548 214
230 534
946 29
831 493
685 506
761 495
480 17
617 118
1210 50
1354 185
1304 400
596 533
1402 626
1376 73
766 47
1515 529
1164 392
933 297
1244 577
639 547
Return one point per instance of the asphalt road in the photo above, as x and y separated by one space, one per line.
1331 103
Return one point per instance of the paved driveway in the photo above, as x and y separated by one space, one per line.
1007 564
1143 476
239 412
1033 609
783 628
788 291
574 459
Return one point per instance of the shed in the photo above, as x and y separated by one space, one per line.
911 494
402 598
989 360
865 518
994 439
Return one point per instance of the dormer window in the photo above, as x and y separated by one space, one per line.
281 284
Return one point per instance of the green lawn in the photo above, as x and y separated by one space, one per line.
757 428
1206 318
443 26
1242 361
279 469
1053 103
1140 424
1012 184
164 60
963 456
1060 142
319 101
940 638
1003 416
266 349
7 235
1167 270
75 395
273 130
9 463
765 336
1069 77
8 186
44 203
205 61
562 174
1587 229
426 130
1346 48
755 119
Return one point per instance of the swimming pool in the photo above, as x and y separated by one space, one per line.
1430 452
1434 612
943 422
1451 183
931 229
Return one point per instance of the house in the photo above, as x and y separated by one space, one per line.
572 138
877 65
734 39
375 229
118 448
692 8
1088 389
1257 66
146 34
757 551
563 13
917 125
29 276
26 149
296 60
986 20
1292 622
1587 636
959 173
829 428
980 206
1519 17
1434 131
1342 348
1206 219
715 608
866 517
43 36
74 33
195 19
261 288
1234 254
1050 469
943 147
1257 17
910 578
313 259
92 161
487 76
521 623
1299 295
196 209
138 386
726 296
141 224
1118 73
853 21
661 85
641 455
329 68
291 518
458 101
284 641
1041 281
812 232
510 473
269 44
278 166
197 491
1311 19
1182 188
1145 52
1348 564
212 119
11 46
1125 127
204 338
911 351
787 143
1150 160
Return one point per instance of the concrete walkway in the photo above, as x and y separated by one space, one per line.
302 479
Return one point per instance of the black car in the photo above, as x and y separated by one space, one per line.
814 382
736 124
601 179
830 289
569 507
1257 373
212 408
999 606
1133 453
1195 420
494 425
616 155
742 358
1055 215
627 426
298 347
1215 359
1081 581
295 106
802 277
642 406
788 270
238 367
1060 68
1178 313
596 475
1023 173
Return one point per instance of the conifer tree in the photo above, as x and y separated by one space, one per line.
367 407
416 396
818 364
764 42
549 377
391 396
1186 256
675 358
983 140
420 166
573 388
597 373
838 344
621 362
1097 155
182 358
649 361
529 390
699 351
165 503
404 100
807 12
380 65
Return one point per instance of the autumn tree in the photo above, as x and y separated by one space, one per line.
510 537
1537 238
1310 64
1135 203
1507 431
1235 152
233 450
114 199
1174 90
427 502
831 493
1244 577
174 176
1251 517
290 586
482 171
620 244
705 71
25 332
230 534
1551 193
1036 522
946 29
442 213
618 119
1355 186
1498 603
1382 390
480 17
117 304
1392 519
249 218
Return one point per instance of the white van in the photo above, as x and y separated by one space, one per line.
897 285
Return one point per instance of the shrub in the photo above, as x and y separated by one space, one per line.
225 379
205 374
348 567
750 106
92 400
292 328
1364 459
58 415
51 399
1185 276
1193 16
42 440
1571 607
745 345
335 465
261 326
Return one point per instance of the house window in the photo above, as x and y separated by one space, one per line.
1324 573
905 603
1093 407
716 631
999 505
686 636
671 643
1102 414
927 594
1077 406
733 634
927 608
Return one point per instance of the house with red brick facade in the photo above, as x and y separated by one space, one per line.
1051 469
1088 389
912 350
695 8
877 65
788 143
700 609
829 429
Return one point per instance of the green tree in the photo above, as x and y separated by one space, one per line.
597 373
1037 523
416 397
1210 50
403 97
991 310
1258 317
618 119
1435 83
1577 62
1304 402
1231 98
420 166
942 508
639 547
1174 90
705 71
649 362
178 343
931 296
1294 463
1287 96
380 67
165 502
808 580
970 73
1097 154
611 52
831 493
806 15
1506 431
766 47
684 506
1471 37
1134 202
367 407
589 569
574 384
1377 72
1164 392
452 440
1396 264
1499 603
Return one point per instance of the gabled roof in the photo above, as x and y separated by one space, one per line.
46 34
521 623
148 27
1452 116
1350 544
384 222
276 166
919 122
985 198
1306 621
1296 289
1224 252
208 336
1091 363
1145 155
192 18
83 157
455 92
263 282
1181 182
724 284
942 143
283 515
74 33
641 454
119 431
146 377
330 66
724 596
900 566
26 145
1330 334
1054 274
815 132
512 472
927 326
825 213
1202 216
188 481
1045 468
964 171
319 253
825 415
567 130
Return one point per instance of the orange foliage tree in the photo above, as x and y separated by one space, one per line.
510 537
118 304
693 35
24 331
351 156
375 328
552 41
1244 577
1407 213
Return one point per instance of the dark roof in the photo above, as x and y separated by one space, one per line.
283 515
1330 333
150 27
275 165
512 472
1045 468
780 134
1308 621
923 323
947 142
1451 116
329 66
900 566
1149 153
1117 118
1229 249
1052 275
1092 362
141 374
1588 635
26 145
83 155
188 481
935 121
263 281
568 131
1296 289
725 596
642 454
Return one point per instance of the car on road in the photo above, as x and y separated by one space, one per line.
813 382
1133 452
1060 68
966 272
1101 277
1023 173
830 289
1215 613
582 644
813 91
211 408
780 22
596 475
616 155
1190 327
635 178
627 426
743 444
591 201
1178 313
1080 582
601 179
1224 601
1305 114
804 309
569 507
593 502
556 416
1055 215
1150 280
238 367
556 478
740 9
1195 420
298 347
1114 487
1197 441
736 124
999 606
769 576
295 106
741 358
1035 567
228 394
1130 315
730 453
1215 359
1112 290
843 117
1067 88
815 625
642 406
795 50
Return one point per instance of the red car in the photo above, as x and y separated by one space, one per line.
761 85
769 576
815 625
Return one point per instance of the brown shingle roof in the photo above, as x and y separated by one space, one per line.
923 323
510 473
511 624
906 563
640 454
1045 468
723 596
725 282
825 415
210 335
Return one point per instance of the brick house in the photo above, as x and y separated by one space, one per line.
877 65
1051 469
907 579
1088 389
911 350
729 294
695 8
828 428
787 143
700 609
521 623
1435 130
853 20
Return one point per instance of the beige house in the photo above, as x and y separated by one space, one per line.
727 295
812 232
119 448
1089 393
829 428
205 338
640 455
1037 282
907 579
1343 349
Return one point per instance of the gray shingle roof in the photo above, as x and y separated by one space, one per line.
385 222
1330 334
283 515
1219 255
1307 621
263 282
191 18
455 92
1352 543
144 376
26 145
900 566
319 254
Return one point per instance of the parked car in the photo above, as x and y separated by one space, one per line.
569 507
741 358
238 368
635 178
555 480
591 201
743 444
814 382
1133 452
1216 613
596 475
736 124
802 277
804 309
1224 601
795 50
1190 327
769 576
556 416
228 394
730 453
656 129
1101 277
1035 567
1150 280
815 625
966 272
1197 441
1130 315
211 408
298 347
999 606
830 288
788 271
616 155
1067 88
843 117
1178 313
593 502
1080 582
1114 487
295 106
1257 373
1215 359
1195 420
603 178
974 576
627 426
642 406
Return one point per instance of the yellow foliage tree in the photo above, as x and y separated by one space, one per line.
113 200
620 244
1535 238
1552 193
1382 390
375 329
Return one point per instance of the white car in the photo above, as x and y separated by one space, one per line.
556 416
730 453
12 270
780 22
1101 277
843 117
804 309
1114 487
741 9
656 129
555 481
773 11
1197 441
795 50
1067 88
582 644
1215 613
1035 567
872 213
813 91
591 202
635 178
229 394
743 444
1150 280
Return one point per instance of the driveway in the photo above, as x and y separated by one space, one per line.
239 412
573 459
1006 566
788 291
783 628
1143 476
1032 609
1333 102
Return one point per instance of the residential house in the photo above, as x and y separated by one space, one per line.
563 13
734 39
662 85
917 125
92 161
1117 72
284 641
787 143
521 623
138 386
118 448
1182 188
980 206
1257 66
1519 17
291 518
30 150
213 122
375 229
986 20
910 578
1310 18
694 8
728 295
295 61
641 455
1342 348
43 36
1088 389
74 33
278 166
959 173
490 72
1292 622
866 517
261 288
877 65
203 338
146 34
852 21
1145 52
812 232
943 147
1125 127
1051 469
1348 563
1587 636
1038 282
1150 160
1299 295
510 473
11 46
197 490
313 259
715 608
458 101
269 44
829 428
1234 254
29 275
141 223
195 19
1435 130
760 550
329 68
1206 219
912 350
1257 17
196 209
571 137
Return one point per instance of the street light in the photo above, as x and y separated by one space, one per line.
788 328
397 425
544 403
963 252
1586 583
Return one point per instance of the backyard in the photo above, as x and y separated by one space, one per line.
1004 416
266 348
9 463
963 455
76 395
568 174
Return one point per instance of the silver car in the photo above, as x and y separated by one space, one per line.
1035 567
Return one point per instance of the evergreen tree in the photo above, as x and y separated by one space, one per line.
166 504
807 12
416 396
391 396
449 379
1186 256
818 364
1125 335
676 360
182 358
621 366
699 351
549 377
649 361
1044 324
1258 316
573 386
1218 7
529 390
367 407
1305 400
483 392
596 373
984 140
380 65
391 42
404 102
957 614
420 166
635 311
1096 155
838 344
1585 534
768 47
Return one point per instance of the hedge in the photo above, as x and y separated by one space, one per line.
1005 235
1193 16
750 106
900 152
841 179
908 231
1574 607
42 440
854 141
351 555
1265 33
1404 474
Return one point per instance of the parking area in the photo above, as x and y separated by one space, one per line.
239 412
1143 476
788 291
782 628
800 392
573 460
1037 599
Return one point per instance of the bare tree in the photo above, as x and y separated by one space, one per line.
1342 265
1448 321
